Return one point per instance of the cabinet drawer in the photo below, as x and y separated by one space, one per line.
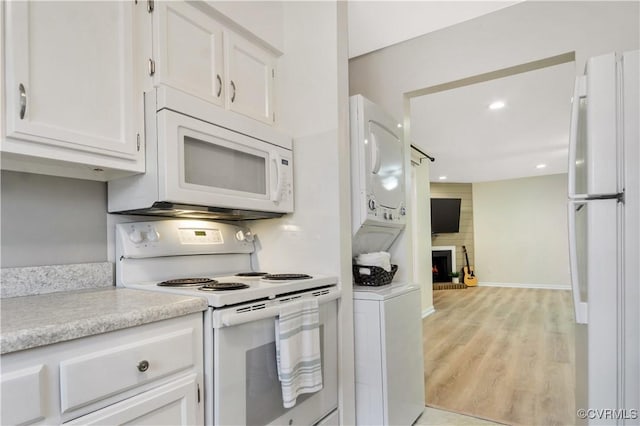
171 404
98 375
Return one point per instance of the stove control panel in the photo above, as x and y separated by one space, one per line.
200 236
180 237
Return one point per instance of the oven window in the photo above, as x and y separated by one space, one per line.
263 390
217 166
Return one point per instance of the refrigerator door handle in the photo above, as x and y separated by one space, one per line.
579 91
580 307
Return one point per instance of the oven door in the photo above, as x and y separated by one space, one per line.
204 164
246 386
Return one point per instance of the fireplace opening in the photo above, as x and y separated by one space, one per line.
441 266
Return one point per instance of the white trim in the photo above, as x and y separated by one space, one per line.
426 312
452 249
527 285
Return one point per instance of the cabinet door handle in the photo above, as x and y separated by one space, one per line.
219 85
233 94
143 366
23 101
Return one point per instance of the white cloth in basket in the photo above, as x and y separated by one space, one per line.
381 259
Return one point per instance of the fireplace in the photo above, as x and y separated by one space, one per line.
443 262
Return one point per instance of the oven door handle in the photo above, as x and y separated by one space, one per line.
230 317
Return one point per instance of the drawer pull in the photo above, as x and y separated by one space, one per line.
143 366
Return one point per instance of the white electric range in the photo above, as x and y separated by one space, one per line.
214 260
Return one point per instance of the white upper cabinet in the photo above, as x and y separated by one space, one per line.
196 50
188 51
70 90
251 73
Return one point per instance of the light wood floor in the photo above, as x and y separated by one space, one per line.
502 354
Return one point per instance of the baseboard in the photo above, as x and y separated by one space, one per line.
430 310
526 285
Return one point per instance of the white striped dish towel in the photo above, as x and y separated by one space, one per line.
298 350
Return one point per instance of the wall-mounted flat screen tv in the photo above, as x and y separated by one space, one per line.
445 215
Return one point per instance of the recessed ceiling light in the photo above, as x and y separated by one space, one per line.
497 105
442 178
541 166
399 126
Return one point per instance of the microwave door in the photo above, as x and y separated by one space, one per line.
207 165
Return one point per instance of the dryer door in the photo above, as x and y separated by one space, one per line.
385 168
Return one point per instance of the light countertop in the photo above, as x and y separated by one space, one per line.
33 321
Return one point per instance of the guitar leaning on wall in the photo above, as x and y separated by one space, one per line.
470 278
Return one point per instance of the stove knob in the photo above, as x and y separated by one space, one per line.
136 236
390 216
244 236
403 211
386 215
372 204
153 236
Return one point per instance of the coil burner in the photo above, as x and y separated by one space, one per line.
187 282
251 274
223 286
286 277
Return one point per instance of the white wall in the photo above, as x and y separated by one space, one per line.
521 232
313 108
49 220
420 195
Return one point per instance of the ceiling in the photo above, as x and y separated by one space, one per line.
473 143
470 142
376 24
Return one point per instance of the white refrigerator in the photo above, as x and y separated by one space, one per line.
604 234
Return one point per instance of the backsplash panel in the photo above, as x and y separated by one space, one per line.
29 281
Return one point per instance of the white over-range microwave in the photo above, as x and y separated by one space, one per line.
205 162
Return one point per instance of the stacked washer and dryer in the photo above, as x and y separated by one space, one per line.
389 365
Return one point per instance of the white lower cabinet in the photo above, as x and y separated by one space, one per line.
389 365
149 374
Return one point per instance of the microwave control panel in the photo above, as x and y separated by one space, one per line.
284 191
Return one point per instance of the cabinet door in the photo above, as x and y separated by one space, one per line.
176 403
188 51
69 77
250 74
23 396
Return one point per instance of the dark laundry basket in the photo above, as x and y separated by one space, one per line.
377 277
